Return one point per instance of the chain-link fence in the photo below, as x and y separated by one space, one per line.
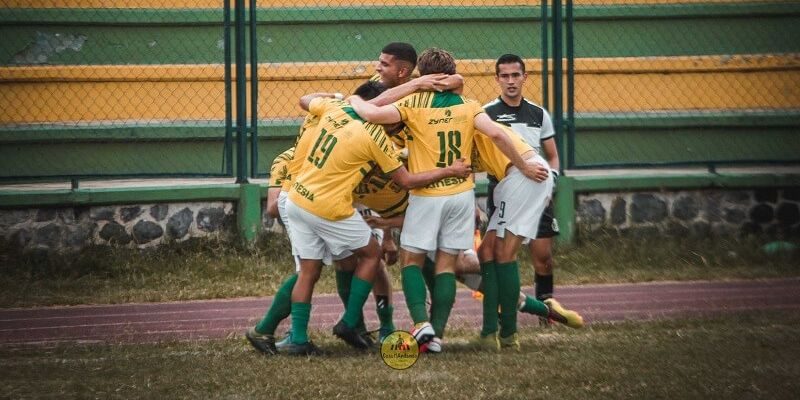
334 46
137 87
112 89
684 83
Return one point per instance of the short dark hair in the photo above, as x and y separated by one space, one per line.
508 59
370 90
436 61
401 51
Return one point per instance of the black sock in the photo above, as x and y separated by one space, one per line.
544 286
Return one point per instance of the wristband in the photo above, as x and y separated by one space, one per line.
338 96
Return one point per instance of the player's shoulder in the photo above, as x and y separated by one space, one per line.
495 103
420 99
533 106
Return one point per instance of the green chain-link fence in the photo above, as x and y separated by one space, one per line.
684 83
124 88
137 87
333 46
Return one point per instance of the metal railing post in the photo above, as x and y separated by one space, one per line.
227 151
558 89
253 92
570 121
241 96
545 58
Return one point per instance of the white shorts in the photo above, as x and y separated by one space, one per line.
316 237
441 222
282 196
519 203
468 253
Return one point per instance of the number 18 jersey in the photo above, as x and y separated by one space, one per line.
442 127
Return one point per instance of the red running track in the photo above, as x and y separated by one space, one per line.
215 319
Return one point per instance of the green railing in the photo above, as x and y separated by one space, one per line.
144 89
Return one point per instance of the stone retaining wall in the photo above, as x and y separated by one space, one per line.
70 228
697 213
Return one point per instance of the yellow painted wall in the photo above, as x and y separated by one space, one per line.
196 92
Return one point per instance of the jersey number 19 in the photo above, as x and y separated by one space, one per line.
325 144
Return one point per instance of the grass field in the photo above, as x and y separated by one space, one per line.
216 269
752 356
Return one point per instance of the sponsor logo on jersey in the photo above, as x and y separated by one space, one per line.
437 121
446 182
308 194
506 117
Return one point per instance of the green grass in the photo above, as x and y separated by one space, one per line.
206 269
750 356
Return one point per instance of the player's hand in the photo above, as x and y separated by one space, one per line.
431 82
375 222
350 98
460 168
536 171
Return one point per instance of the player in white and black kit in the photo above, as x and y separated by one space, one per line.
533 123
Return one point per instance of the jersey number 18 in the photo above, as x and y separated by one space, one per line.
449 148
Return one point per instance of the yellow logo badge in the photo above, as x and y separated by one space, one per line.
399 350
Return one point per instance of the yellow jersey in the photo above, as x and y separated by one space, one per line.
441 128
279 171
300 149
343 150
488 156
378 192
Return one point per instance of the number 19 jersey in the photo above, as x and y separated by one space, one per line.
442 127
341 149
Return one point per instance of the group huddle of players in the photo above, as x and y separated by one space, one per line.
399 153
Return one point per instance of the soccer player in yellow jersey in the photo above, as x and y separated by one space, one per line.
278 173
440 216
321 214
521 202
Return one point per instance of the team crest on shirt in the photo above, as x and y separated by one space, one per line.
506 117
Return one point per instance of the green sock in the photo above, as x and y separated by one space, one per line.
490 302
301 312
359 292
443 297
414 290
535 307
385 313
508 296
429 273
344 279
280 309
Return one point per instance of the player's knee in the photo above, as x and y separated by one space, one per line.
543 264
